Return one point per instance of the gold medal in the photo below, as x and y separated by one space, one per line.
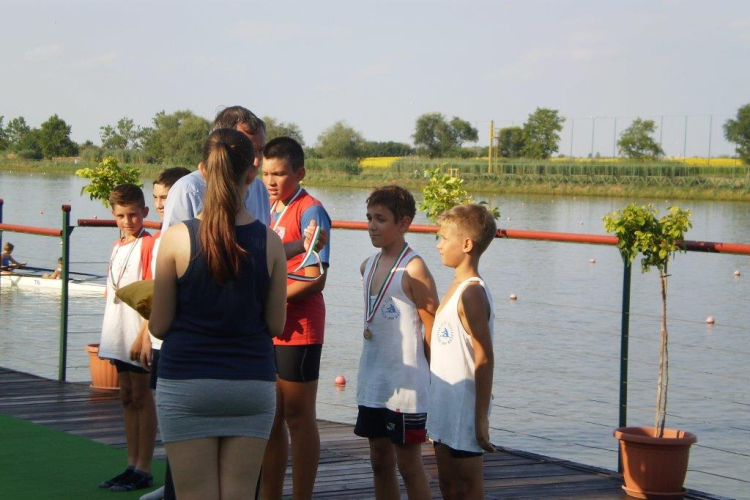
368 334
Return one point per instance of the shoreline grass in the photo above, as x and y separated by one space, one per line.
736 189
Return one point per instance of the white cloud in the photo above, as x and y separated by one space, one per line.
378 69
43 52
536 61
105 59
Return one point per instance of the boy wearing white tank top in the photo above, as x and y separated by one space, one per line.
461 353
393 382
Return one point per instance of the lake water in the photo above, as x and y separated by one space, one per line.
556 347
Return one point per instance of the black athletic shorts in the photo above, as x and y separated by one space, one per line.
454 453
400 428
127 367
154 366
298 363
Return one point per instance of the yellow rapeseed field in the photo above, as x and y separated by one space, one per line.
378 161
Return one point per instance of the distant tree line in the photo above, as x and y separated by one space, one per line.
177 138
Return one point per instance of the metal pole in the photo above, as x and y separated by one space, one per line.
489 157
593 128
624 335
572 129
66 230
684 140
614 140
710 126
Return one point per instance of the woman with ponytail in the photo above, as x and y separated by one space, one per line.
219 297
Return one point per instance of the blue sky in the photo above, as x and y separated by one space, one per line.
379 65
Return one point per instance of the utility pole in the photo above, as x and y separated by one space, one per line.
684 140
614 140
593 129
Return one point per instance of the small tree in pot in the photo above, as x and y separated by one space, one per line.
639 231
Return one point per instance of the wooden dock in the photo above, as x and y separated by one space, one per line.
344 471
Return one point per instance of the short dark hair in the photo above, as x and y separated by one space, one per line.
473 221
396 199
169 176
234 115
127 194
287 149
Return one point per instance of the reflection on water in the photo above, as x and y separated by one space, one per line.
557 346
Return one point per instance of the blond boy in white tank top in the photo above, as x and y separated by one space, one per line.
393 382
462 360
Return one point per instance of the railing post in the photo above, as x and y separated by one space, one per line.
63 356
624 332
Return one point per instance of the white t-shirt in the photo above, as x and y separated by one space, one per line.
393 371
453 394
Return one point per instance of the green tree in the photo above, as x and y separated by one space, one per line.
443 191
541 133
4 144
738 132
387 148
435 136
54 138
105 176
639 231
175 138
340 141
276 128
637 141
125 135
511 142
15 130
29 146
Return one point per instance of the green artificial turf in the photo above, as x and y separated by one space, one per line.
37 462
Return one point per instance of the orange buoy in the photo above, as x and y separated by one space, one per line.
340 380
737 272
513 296
710 320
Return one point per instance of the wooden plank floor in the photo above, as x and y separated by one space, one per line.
344 471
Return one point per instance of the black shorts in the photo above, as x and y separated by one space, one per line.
400 428
154 366
454 453
298 363
122 366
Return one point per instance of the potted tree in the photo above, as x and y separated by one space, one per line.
654 459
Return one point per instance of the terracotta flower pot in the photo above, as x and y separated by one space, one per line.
103 373
654 467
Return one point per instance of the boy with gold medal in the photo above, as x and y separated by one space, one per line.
393 382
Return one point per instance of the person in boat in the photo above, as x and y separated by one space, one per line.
57 273
298 348
393 381
8 262
219 298
130 261
461 356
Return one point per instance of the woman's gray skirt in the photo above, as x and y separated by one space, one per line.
200 408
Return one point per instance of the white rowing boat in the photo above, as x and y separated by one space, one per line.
35 282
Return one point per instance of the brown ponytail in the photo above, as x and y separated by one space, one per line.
227 156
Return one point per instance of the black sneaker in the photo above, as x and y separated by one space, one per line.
117 479
137 481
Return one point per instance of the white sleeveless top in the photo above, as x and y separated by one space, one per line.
451 420
121 323
393 370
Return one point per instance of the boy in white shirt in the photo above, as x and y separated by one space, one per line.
462 360
393 381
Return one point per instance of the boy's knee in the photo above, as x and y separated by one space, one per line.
382 460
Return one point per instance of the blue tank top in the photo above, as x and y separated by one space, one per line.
220 331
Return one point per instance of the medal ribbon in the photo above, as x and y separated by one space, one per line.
116 284
310 251
371 308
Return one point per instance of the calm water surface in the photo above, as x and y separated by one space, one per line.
557 346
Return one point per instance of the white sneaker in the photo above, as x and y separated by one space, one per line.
157 494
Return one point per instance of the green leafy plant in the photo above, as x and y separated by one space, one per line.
105 176
639 231
444 191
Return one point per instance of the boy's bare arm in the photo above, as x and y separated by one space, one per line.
141 348
423 292
474 312
299 290
165 284
294 248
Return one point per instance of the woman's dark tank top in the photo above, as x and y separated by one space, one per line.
220 331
